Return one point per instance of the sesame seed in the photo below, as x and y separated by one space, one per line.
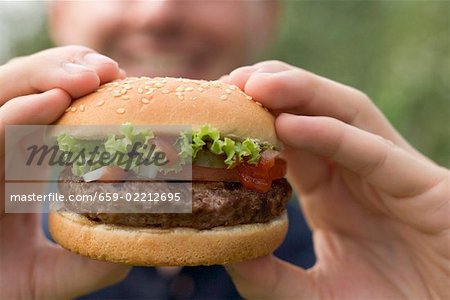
204 85
82 107
194 98
258 103
145 100
200 89
120 110
125 97
189 88
127 87
228 91
159 85
100 103
249 97
123 91
73 109
181 97
100 89
68 109
140 90
233 87
165 91
180 88
223 97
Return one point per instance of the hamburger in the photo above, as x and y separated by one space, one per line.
238 187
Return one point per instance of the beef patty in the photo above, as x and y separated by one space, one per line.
213 204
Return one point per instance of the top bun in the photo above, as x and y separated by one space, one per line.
174 101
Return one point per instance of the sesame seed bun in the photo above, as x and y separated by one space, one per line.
168 101
166 247
172 101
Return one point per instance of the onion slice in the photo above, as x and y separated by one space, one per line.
95 175
148 171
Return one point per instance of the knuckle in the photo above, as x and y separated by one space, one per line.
15 60
304 77
308 83
363 96
388 143
377 163
66 54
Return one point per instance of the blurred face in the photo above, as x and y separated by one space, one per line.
194 39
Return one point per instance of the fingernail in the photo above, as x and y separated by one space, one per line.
122 73
95 58
75 68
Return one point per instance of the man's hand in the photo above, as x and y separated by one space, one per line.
378 209
36 90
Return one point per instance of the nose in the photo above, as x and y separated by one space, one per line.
153 14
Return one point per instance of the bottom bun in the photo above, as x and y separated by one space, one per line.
141 246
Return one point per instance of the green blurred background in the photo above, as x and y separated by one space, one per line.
398 52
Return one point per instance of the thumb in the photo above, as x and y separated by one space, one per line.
65 275
268 277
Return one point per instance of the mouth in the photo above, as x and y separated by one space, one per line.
147 58
162 64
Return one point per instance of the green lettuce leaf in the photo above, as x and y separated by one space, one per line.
207 138
118 148
188 145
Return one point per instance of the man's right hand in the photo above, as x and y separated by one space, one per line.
36 90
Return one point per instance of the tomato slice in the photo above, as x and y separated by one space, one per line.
256 183
259 177
279 169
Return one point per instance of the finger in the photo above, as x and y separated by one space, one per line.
240 76
381 162
44 108
68 275
290 89
270 278
38 109
386 169
75 69
294 90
